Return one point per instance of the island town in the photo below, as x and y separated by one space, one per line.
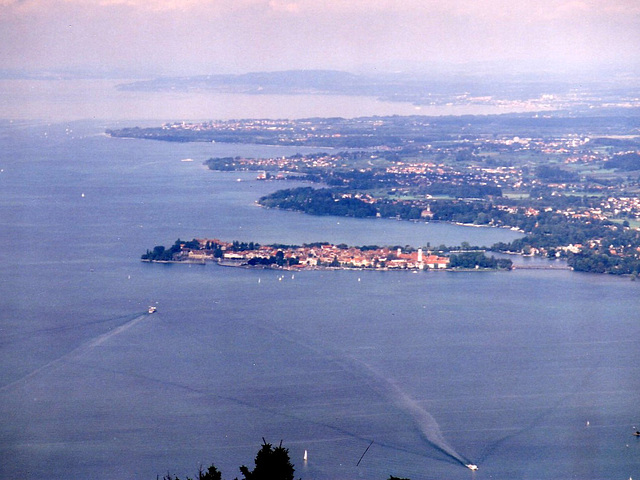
321 255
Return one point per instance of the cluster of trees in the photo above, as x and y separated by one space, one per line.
277 259
626 161
271 463
322 201
405 210
472 260
358 179
548 173
162 254
588 261
553 230
232 164
237 246
327 201
331 202
478 213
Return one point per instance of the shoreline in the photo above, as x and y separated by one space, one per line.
305 268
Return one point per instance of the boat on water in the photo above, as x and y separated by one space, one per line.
636 433
471 466
152 310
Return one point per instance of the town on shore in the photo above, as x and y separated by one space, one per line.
321 255
568 181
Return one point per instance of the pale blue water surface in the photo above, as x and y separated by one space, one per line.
529 374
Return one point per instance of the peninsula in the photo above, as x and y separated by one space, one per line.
322 255
570 182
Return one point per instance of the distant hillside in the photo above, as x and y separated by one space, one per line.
287 82
420 89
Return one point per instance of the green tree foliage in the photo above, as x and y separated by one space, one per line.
469 260
162 254
237 246
277 259
322 201
625 161
548 173
602 263
402 210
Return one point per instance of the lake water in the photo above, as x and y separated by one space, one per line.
57 100
528 374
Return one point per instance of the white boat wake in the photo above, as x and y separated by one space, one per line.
85 347
388 389
424 421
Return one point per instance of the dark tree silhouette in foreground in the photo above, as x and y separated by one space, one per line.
271 464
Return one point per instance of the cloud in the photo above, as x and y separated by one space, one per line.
288 6
488 10
203 36
155 5
44 6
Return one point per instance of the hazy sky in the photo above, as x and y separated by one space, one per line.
234 36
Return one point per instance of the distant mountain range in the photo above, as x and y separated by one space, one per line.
418 89
290 81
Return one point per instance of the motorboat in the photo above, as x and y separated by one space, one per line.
471 466
152 310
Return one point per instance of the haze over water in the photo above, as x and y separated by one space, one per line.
68 100
511 366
